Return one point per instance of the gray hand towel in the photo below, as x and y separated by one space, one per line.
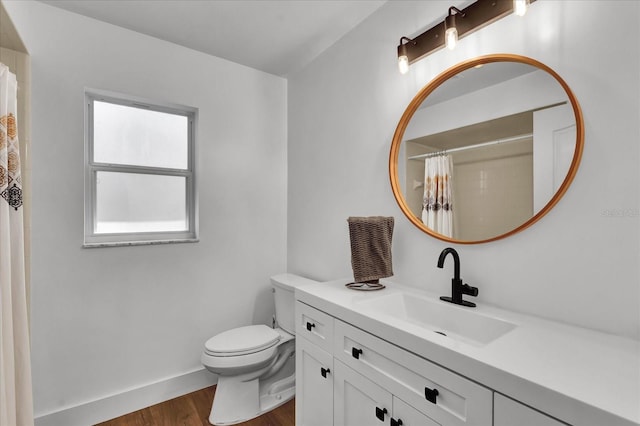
371 247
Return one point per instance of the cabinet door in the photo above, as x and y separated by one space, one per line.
357 400
406 415
507 412
314 385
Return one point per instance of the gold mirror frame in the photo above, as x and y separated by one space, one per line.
433 85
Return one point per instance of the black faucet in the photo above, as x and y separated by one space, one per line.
457 288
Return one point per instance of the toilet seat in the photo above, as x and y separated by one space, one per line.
242 341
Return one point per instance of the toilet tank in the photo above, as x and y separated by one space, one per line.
284 288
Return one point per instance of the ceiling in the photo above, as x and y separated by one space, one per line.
477 78
276 36
8 35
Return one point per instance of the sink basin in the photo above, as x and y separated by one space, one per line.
454 322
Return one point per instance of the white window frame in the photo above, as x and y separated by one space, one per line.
91 167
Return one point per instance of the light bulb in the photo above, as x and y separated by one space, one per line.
403 64
450 31
451 37
520 7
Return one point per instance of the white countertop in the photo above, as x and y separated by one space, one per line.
579 376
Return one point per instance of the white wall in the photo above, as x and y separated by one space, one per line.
578 264
111 319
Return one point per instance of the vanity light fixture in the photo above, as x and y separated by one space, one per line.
403 60
520 7
450 29
457 24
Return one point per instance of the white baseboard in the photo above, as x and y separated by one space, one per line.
113 406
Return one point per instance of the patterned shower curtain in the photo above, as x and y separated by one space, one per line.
437 205
16 400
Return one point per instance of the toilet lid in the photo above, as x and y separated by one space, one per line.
252 338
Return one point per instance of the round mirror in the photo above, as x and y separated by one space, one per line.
486 149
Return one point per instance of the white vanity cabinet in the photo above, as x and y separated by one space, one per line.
447 398
507 411
382 356
314 385
315 326
361 379
359 401
314 367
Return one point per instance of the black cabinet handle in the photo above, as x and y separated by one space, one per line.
324 372
431 394
310 325
395 422
356 353
380 412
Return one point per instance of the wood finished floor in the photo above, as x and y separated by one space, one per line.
193 409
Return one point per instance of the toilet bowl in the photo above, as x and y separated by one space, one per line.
256 363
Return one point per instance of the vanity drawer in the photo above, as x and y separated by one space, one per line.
446 397
315 326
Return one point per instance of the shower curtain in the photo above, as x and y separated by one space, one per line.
437 205
16 400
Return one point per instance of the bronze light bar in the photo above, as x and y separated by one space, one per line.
472 18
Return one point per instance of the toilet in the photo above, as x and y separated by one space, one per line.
256 363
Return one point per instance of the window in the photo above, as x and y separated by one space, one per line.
139 171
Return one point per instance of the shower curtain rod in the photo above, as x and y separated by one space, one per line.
464 148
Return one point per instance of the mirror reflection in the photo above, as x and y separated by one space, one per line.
487 150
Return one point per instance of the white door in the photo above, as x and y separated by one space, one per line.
358 401
554 143
314 385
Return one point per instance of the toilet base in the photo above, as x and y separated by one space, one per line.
237 400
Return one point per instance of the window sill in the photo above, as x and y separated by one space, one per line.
138 243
